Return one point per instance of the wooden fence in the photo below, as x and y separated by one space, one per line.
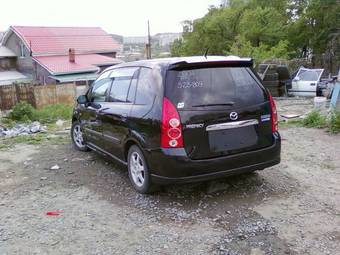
37 95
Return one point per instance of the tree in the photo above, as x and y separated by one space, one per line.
280 28
263 25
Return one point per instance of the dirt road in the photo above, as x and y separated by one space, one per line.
292 208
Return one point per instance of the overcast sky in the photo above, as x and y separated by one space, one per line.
124 17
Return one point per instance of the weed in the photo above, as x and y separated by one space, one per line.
334 122
52 113
315 119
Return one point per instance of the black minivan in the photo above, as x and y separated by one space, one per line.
179 120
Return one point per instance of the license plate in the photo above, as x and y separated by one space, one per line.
232 139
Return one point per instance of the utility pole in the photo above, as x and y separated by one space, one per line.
148 45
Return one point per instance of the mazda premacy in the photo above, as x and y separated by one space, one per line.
179 120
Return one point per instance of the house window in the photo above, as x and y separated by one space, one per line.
22 51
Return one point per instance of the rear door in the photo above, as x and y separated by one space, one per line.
223 110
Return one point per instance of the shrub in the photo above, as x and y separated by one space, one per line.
22 112
315 119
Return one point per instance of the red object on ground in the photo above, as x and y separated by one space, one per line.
55 213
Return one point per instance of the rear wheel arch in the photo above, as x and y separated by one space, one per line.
128 145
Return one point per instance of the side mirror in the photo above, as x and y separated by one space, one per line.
82 99
296 78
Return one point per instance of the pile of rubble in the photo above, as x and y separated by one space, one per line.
22 129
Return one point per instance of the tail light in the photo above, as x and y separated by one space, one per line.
171 127
273 114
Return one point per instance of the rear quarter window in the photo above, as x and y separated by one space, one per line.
213 86
145 89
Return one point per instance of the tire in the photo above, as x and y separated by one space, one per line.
138 170
270 83
283 72
77 137
271 77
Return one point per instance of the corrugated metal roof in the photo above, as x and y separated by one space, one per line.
83 63
58 40
5 52
8 77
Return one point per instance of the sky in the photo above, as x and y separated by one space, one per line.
123 17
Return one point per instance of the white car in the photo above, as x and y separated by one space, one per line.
305 82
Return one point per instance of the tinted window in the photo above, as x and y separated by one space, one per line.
213 86
123 85
100 89
145 91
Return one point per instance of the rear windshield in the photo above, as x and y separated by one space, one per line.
213 87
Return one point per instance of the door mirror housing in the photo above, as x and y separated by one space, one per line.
296 78
82 99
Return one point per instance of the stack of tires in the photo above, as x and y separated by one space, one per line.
271 79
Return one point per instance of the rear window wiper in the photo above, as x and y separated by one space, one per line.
222 104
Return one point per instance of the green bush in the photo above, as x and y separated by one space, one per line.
334 122
315 119
22 112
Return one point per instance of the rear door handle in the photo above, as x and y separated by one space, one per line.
312 84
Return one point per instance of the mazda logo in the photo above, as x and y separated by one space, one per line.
233 115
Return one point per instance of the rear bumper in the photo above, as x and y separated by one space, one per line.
173 165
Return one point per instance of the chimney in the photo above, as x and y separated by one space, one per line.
71 55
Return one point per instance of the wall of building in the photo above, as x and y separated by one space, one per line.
7 63
42 75
25 62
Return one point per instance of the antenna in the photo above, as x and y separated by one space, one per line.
206 53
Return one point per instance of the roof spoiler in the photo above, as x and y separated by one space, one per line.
204 64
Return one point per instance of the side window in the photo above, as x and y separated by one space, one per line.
119 89
124 85
145 91
100 89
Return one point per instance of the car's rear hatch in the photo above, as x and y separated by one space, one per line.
222 106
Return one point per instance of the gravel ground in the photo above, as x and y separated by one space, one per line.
291 208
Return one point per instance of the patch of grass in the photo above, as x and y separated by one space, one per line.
52 113
315 120
40 138
23 112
